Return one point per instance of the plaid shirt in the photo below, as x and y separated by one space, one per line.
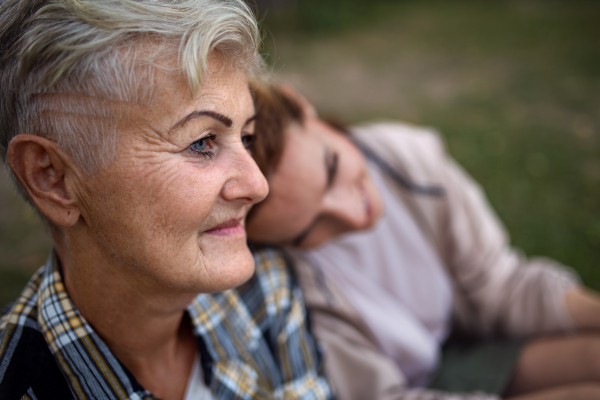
252 340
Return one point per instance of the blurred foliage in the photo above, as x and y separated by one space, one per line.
24 243
321 17
514 87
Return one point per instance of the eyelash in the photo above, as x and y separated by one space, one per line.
206 154
332 169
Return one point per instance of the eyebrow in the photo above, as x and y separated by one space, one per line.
204 113
252 118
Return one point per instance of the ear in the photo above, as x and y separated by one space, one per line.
292 93
44 170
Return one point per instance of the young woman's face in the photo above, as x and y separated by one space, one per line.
320 190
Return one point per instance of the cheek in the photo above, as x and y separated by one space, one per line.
165 201
278 220
182 197
352 162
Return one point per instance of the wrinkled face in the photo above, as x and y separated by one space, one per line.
320 190
171 206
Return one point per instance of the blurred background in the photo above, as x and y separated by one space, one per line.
513 87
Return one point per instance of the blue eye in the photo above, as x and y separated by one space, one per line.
201 146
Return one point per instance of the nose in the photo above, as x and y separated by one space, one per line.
246 183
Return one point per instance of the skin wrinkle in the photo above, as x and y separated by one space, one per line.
168 178
167 182
142 288
135 252
155 139
201 254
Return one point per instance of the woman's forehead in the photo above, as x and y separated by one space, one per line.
302 163
224 92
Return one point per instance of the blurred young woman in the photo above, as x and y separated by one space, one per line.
410 281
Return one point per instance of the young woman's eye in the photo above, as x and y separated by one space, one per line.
201 146
331 163
247 141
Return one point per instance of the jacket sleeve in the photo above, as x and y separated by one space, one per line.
497 289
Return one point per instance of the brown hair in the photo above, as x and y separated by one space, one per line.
275 111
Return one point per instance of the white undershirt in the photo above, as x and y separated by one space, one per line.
393 277
196 388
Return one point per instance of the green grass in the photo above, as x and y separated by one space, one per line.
514 86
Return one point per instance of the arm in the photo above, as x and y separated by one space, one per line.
497 290
500 291
584 307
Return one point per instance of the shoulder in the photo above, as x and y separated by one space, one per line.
275 302
396 136
274 276
418 151
27 366
273 295
270 293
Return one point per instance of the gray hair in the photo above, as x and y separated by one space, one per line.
91 53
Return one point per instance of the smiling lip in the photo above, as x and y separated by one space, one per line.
232 227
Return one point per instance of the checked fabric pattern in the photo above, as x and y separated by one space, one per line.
253 342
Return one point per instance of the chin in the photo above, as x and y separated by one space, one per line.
222 263
215 271
231 271
375 216
375 209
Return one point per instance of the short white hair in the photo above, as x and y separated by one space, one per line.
90 51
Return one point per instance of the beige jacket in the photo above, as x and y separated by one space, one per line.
496 290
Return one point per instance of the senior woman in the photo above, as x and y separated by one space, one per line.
393 242
126 124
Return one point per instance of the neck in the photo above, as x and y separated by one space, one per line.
143 324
